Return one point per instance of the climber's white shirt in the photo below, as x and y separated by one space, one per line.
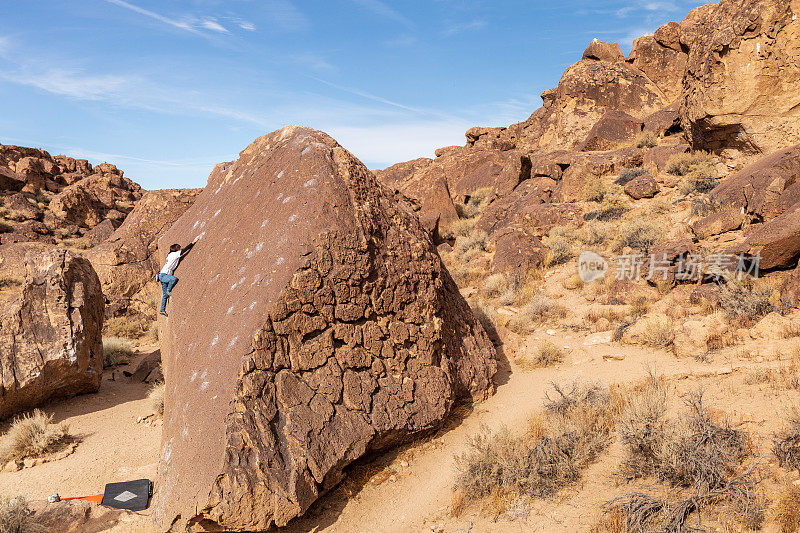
172 261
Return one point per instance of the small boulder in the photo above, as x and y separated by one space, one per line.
644 186
600 51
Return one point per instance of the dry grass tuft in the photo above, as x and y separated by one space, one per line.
683 164
786 508
116 351
499 469
744 302
121 326
476 203
642 428
640 234
548 354
646 139
594 191
658 332
612 207
32 435
639 306
463 227
13 515
629 174
572 283
156 396
786 445
539 309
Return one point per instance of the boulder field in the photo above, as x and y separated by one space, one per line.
313 323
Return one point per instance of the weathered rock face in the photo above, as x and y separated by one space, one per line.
603 51
50 326
777 241
716 223
126 263
741 77
765 188
614 129
42 197
660 57
644 186
312 322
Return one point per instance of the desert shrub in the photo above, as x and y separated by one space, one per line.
594 233
639 306
487 317
156 396
561 441
594 191
476 203
7 282
611 208
786 445
463 227
640 234
744 301
702 206
658 332
495 285
561 250
629 174
695 453
573 282
701 179
642 428
786 508
477 240
548 354
13 515
683 164
120 326
539 309
32 435
646 139
116 351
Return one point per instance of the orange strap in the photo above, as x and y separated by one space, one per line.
97 498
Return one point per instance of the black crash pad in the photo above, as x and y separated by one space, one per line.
130 495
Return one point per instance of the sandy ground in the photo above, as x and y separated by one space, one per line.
112 445
411 489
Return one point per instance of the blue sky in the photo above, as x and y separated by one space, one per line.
165 89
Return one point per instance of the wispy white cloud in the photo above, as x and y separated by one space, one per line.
384 10
245 25
284 15
313 61
213 25
181 24
401 41
460 27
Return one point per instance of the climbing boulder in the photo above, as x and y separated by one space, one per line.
313 321
126 261
51 318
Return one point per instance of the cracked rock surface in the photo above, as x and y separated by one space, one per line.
313 322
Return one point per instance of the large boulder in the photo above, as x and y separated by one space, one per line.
740 87
660 57
777 242
51 318
126 262
615 128
313 321
96 198
601 51
765 188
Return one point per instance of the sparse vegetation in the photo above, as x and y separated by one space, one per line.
7 282
786 445
683 164
594 191
32 435
646 139
560 242
475 242
548 354
476 203
786 508
611 208
744 301
120 326
639 306
640 234
116 351
156 396
629 174
499 469
539 309
13 514
463 227
658 332
695 453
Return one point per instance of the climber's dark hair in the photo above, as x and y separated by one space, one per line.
175 248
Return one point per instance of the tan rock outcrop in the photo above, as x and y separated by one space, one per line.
50 327
312 322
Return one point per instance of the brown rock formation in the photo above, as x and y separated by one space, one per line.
615 128
50 326
312 322
717 223
741 77
96 198
644 186
765 188
126 262
777 241
603 51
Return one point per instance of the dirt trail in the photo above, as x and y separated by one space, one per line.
420 501
113 446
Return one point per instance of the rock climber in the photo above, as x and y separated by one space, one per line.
166 277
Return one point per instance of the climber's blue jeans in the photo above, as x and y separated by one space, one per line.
167 283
